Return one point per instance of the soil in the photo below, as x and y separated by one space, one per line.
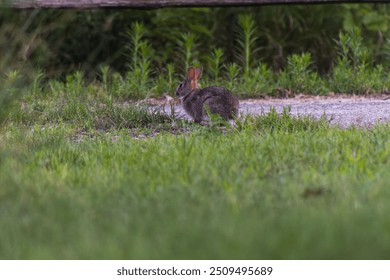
341 110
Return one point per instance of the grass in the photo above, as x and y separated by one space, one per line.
273 187
87 174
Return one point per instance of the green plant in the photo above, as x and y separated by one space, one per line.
136 35
75 84
215 62
351 48
105 76
233 70
10 91
187 46
353 71
165 83
247 41
138 77
298 77
260 81
170 73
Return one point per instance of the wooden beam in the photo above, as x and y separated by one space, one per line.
27 4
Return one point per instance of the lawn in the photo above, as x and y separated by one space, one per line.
90 179
86 172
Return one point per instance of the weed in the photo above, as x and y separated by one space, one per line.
259 82
138 78
233 71
247 41
215 61
10 90
170 72
352 71
105 77
299 78
187 45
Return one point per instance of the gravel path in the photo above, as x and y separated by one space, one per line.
344 111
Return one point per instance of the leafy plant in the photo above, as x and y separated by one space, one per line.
166 83
187 46
233 71
105 76
351 48
352 72
298 76
247 40
215 62
140 61
10 90
259 82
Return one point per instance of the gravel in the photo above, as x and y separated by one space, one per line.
344 111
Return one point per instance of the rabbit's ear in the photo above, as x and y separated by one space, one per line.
194 84
191 75
198 72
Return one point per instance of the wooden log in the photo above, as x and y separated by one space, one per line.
23 4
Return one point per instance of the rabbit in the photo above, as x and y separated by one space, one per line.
197 102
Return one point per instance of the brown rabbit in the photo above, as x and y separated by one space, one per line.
197 102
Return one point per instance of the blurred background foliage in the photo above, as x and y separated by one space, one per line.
59 42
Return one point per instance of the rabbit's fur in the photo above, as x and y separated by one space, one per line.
197 102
